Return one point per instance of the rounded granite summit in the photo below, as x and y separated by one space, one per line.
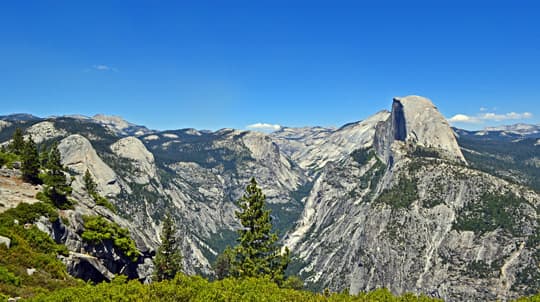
424 125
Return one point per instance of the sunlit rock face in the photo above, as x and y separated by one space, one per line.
132 149
417 122
78 155
43 131
385 202
313 148
395 217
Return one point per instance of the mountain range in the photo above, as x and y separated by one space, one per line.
399 200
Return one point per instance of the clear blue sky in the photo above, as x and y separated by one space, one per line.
214 64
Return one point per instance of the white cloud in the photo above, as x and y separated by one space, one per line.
489 116
102 67
264 127
462 118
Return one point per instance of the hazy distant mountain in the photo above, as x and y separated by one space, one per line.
510 132
18 117
399 200
511 152
521 129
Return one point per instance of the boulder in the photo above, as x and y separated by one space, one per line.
87 267
6 241
16 165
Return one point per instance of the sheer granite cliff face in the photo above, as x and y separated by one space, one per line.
351 237
416 121
417 221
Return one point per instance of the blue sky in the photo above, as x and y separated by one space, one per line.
215 64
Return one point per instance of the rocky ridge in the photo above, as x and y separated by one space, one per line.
388 201
90 261
395 215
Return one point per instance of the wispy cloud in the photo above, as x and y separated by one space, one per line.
264 127
489 116
102 67
484 109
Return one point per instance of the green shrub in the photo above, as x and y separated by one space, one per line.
425 152
28 213
401 195
362 156
185 288
293 282
8 277
98 229
8 158
42 242
534 298
104 202
30 248
491 212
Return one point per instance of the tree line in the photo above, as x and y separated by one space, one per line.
257 253
39 167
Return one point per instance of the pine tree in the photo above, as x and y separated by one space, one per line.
89 183
30 162
222 266
91 188
44 156
56 188
168 261
17 142
257 253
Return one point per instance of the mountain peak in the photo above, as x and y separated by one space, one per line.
414 100
118 121
120 126
520 128
19 117
416 120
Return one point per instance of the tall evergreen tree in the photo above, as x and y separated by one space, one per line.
44 156
168 261
57 188
257 253
91 188
30 162
17 142
89 183
222 266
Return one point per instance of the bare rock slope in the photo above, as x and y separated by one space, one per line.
389 215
